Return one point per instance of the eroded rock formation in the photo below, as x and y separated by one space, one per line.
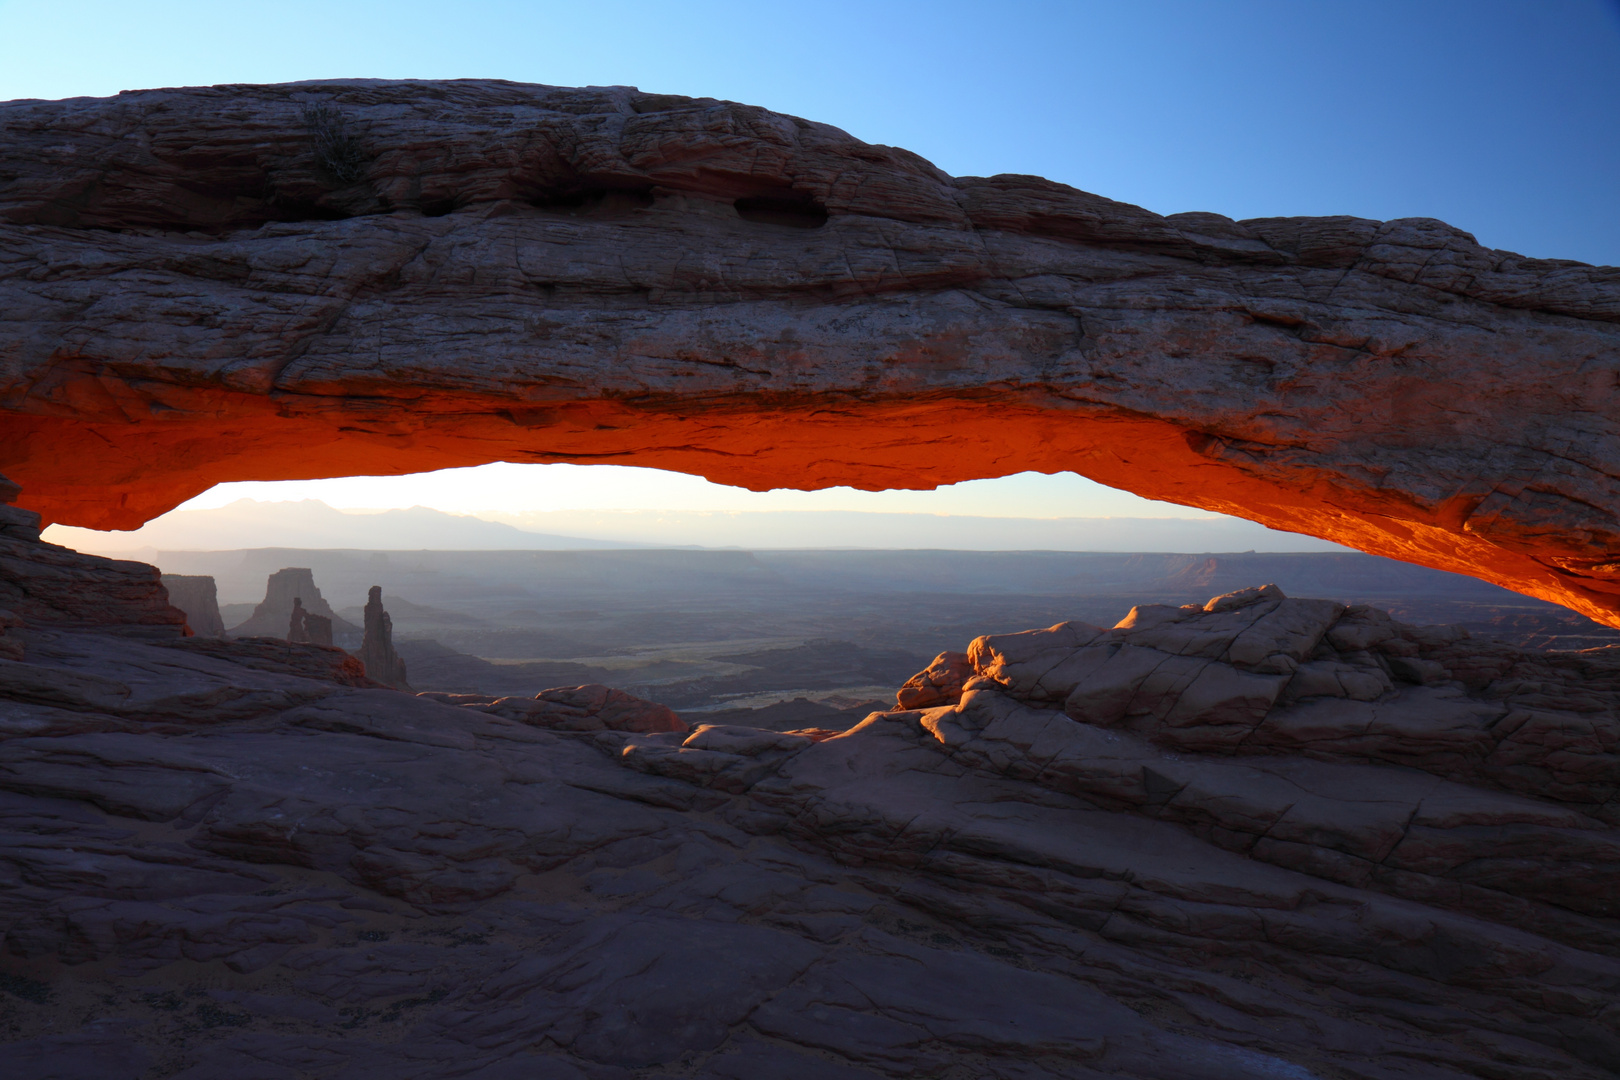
317 629
297 630
286 591
1261 837
197 596
48 585
938 683
379 277
377 649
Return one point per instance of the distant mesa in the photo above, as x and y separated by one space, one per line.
196 595
273 617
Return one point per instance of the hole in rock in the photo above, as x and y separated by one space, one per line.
796 213
793 607
213 201
596 202
438 207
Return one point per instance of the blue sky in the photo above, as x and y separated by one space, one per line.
1501 118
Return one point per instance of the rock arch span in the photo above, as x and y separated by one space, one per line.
319 279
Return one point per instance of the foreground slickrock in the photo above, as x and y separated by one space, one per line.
270 282
1266 837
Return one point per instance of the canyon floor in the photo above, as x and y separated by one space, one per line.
1259 837
717 630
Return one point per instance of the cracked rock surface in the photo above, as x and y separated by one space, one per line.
1265 837
347 277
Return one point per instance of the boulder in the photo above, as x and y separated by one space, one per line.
940 682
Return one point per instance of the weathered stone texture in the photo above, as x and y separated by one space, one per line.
48 585
581 708
261 864
223 283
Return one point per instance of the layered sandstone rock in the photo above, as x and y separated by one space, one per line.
379 277
1077 869
197 596
577 708
940 682
46 585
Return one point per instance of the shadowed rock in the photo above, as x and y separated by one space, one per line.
297 628
46 585
489 271
318 630
377 650
196 595
1261 836
285 591
579 708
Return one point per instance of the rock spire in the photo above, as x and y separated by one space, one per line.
296 628
383 664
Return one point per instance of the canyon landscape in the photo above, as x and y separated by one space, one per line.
1224 828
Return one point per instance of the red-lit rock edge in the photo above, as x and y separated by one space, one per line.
543 274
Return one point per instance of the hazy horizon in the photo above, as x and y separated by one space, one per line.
314 524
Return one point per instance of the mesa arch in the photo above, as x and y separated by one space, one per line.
320 279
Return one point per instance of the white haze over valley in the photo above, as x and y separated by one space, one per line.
505 507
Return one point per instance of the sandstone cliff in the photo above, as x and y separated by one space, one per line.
43 584
262 282
195 595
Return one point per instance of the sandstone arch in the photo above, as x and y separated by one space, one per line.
266 282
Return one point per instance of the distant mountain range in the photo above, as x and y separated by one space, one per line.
248 523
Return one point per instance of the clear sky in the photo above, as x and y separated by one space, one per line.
1502 118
